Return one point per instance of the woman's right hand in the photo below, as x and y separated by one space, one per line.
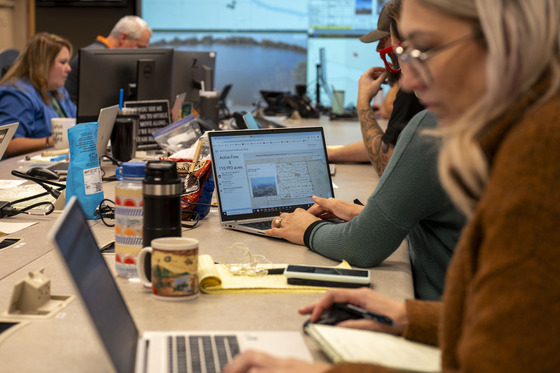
329 208
367 299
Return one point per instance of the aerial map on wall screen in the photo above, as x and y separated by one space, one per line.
271 45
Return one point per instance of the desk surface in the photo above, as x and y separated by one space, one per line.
66 342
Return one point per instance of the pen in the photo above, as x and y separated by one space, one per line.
365 313
358 202
52 153
62 157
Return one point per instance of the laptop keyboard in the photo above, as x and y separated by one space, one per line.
260 225
193 354
61 166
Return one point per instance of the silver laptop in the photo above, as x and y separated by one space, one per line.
6 133
261 173
106 121
153 351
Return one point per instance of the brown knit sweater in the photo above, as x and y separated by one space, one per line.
501 306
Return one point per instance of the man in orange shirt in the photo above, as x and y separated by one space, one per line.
128 32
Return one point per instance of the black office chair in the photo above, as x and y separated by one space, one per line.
223 111
7 59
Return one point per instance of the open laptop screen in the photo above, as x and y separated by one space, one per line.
96 286
260 173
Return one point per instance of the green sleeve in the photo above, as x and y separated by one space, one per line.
408 192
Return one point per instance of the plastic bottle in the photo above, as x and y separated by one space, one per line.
128 217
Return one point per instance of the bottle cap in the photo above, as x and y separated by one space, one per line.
131 169
161 172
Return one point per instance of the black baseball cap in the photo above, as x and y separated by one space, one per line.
383 28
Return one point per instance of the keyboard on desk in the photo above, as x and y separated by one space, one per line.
262 225
202 353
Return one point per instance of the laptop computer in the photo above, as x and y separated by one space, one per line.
106 121
154 351
253 122
6 133
261 173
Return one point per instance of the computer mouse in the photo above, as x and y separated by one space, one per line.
333 316
42 173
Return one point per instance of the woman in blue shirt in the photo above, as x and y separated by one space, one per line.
32 92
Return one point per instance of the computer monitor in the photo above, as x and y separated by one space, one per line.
143 74
190 69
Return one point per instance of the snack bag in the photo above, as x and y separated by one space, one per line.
84 175
198 186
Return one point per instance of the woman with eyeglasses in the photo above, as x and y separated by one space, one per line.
490 71
409 203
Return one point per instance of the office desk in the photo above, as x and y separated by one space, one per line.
65 342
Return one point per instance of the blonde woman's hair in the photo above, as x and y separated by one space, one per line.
522 38
35 61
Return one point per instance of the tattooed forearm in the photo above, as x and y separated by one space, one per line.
378 152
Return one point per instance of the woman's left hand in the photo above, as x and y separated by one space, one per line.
292 226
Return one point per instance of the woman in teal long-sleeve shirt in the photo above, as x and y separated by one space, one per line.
408 202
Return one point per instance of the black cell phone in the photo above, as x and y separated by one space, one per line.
326 276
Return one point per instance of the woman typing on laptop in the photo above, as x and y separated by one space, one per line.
32 92
499 116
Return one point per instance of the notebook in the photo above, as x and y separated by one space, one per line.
6 133
261 173
364 346
154 351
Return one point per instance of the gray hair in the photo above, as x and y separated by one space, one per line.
522 38
133 26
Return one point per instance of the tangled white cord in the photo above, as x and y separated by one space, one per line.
240 261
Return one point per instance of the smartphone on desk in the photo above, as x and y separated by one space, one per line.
327 276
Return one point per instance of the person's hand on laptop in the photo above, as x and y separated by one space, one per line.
292 226
367 299
253 360
329 208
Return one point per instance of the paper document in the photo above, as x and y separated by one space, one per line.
361 346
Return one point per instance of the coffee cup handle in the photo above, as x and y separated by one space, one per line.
145 278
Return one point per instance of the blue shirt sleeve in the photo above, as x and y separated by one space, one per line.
15 106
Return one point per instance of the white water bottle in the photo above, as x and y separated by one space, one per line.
128 217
